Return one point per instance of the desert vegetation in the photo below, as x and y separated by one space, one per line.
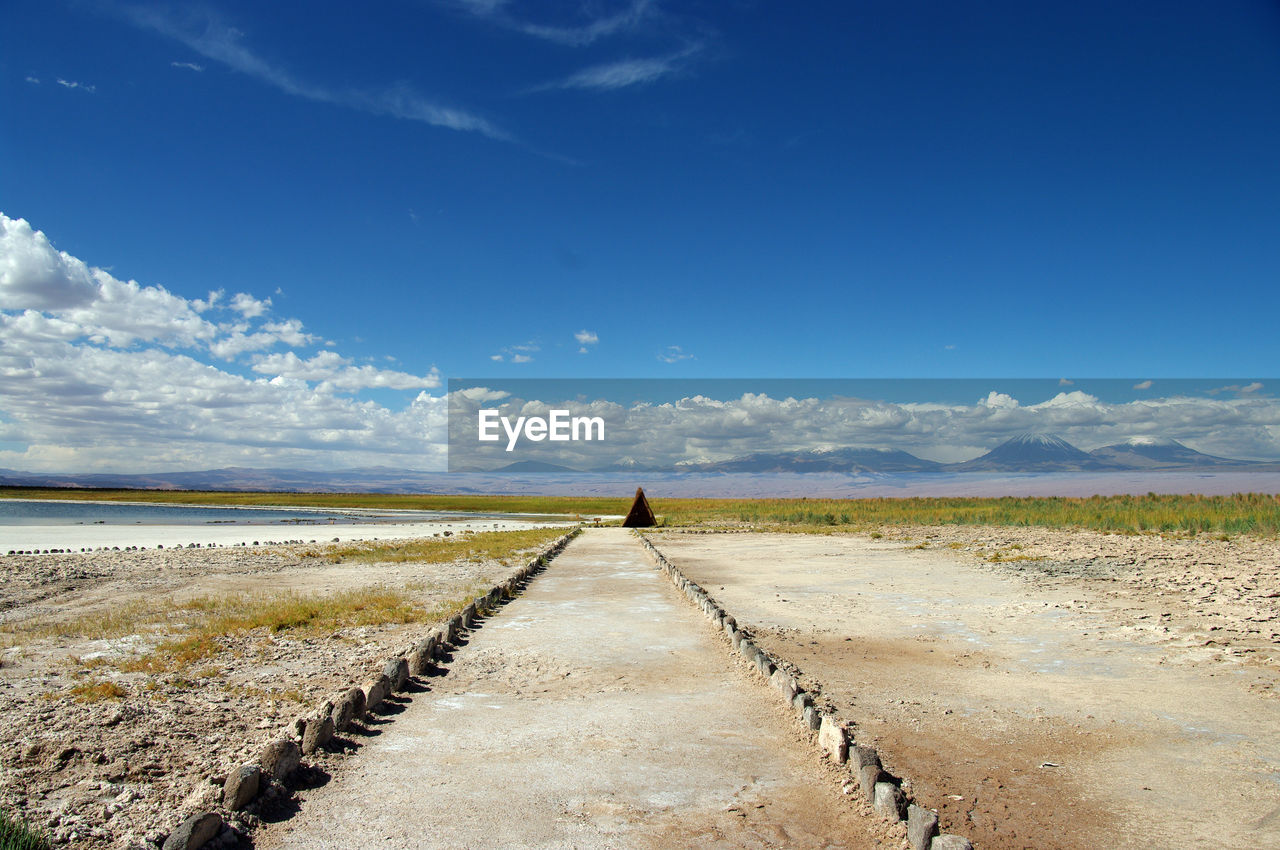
1255 514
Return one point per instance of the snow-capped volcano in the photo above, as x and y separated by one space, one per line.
1034 453
1158 453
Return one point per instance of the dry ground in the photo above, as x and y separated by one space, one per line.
108 743
599 709
1040 688
1047 689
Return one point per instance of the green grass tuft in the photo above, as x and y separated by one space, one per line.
16 834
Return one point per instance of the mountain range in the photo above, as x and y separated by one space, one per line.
1026 453
1023 453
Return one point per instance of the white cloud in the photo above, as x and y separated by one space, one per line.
516 353
585 339
35 275
190 66
998 401
579 35
1236 388
1075 398
34 80
331 370
214 40
248 306
77 407
621 74
289 332
98 373
1143 385
214 297
1065 382
238 341
717 428
71 84
673 354
482 394
624 72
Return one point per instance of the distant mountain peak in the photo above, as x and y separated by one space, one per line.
1147 440
1033 452
1146 452
1038 439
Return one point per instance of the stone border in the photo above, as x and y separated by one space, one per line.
881 789
249 786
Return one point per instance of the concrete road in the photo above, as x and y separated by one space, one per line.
599 709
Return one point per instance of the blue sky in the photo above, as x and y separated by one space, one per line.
626 189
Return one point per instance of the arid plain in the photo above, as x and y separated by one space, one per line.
1037 687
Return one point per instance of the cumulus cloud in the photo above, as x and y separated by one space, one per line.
34 275
585 339
673 354
703 428
248 306
331 369
239 340
1144 385
998 401
97 373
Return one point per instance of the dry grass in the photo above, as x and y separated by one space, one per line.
189 632
1009 555
503 547
1223 516
1255 514
97 691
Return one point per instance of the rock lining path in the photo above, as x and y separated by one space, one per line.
598 709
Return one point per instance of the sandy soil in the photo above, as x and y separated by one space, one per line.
121 772
1102 691
598 709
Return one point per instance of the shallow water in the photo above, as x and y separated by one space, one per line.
55 512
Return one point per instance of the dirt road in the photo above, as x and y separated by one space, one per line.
596 710
1036 707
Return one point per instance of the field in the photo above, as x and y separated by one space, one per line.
131 678
1255 514
915 617
1039 687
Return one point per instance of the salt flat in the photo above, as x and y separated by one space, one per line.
598 709
1041 688
77 537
